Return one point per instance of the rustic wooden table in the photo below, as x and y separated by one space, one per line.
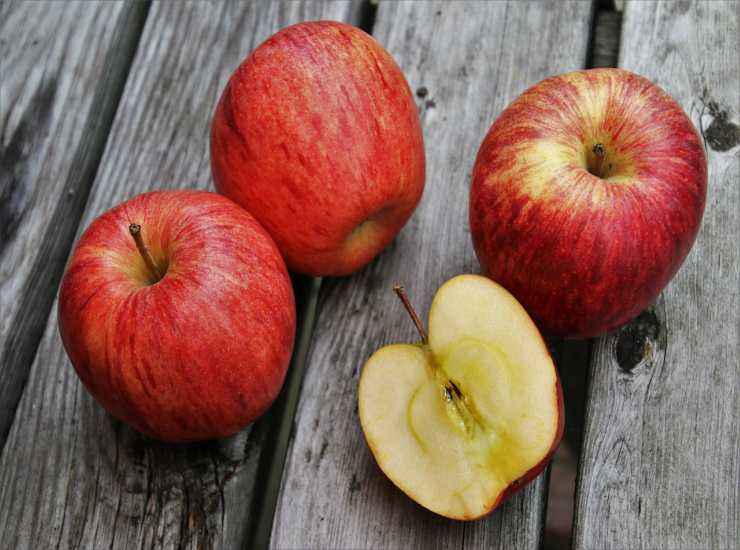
101 101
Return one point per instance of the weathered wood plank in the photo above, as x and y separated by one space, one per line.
70 476
660 466
465 61
63 69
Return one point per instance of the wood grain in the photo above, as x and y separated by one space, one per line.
70 476
465 62
63 69
661 459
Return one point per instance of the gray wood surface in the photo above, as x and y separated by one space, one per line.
661 459
465 62
71 476
62 68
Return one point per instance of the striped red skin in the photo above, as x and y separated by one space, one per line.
199 354
317 135
584 255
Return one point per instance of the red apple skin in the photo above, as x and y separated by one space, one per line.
583 254
204 351
317 135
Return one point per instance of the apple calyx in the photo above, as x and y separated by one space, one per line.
462 414
154 271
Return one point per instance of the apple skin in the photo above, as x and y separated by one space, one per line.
583 254
317 135
199 354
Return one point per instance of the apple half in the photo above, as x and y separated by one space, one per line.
473 413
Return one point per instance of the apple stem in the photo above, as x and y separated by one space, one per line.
401 293
600 151
135 230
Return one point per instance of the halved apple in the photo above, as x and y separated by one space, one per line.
465 419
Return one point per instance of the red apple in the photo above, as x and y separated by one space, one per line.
587 194
317 135
177 313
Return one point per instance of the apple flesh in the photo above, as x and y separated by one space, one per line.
178 315
587 195
317 135
463 421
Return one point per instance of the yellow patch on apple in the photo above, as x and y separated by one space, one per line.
467 417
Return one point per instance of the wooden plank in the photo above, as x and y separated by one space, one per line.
466 62
660 466
63 70
70 476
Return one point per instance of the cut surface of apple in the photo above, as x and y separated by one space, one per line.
461 421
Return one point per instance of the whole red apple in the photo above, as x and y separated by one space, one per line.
587 194
177 313
317 135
